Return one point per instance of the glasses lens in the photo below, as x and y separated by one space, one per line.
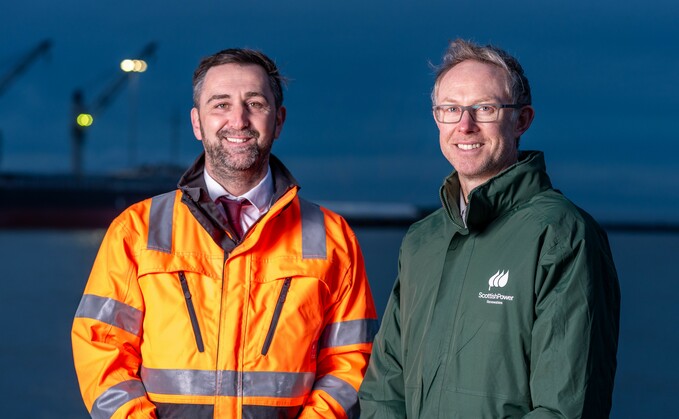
448 114
485 113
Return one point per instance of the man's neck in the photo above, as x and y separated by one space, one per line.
240 182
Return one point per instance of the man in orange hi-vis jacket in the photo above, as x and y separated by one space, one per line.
230 297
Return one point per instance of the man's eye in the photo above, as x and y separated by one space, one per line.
486 109
258 106
222 105
451 109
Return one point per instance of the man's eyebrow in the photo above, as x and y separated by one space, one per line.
484 99
227 96
255 94
218 97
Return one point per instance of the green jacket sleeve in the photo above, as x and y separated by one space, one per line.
575 334
382 393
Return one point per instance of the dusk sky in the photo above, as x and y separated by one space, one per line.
359 125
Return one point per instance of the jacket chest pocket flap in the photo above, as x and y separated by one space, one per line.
287 307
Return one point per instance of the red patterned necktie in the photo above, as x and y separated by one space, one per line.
233 210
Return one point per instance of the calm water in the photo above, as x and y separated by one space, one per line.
45 272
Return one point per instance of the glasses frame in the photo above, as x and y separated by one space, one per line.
437 108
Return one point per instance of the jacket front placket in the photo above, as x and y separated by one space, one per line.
446 313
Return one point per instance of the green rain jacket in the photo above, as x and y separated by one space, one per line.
515 315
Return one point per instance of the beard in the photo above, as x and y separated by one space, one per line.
227 163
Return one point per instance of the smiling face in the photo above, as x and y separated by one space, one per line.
479 151
237 121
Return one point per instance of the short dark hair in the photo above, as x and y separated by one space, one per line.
239 56
461 50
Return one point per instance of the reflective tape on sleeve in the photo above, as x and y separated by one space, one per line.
313 231
112 399
110 311
160 222
342 392
351 332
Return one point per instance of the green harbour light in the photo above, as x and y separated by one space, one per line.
84 120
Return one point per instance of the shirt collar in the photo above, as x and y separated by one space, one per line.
463 208
260 196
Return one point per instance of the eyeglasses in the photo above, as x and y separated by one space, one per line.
483 112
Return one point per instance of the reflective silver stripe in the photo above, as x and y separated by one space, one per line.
277 384
349 333
342 392
184 382
313 231
113 398
160 222
110 311
204 383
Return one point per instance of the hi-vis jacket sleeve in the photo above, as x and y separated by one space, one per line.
574 337
382 394
346 343
107 331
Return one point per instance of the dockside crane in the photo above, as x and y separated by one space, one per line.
8 78
85 114
23 65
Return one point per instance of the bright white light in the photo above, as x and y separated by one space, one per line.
137 66
127 65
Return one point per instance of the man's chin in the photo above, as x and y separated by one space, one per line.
238 164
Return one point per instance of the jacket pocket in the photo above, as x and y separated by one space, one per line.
276 315
485 365
192 311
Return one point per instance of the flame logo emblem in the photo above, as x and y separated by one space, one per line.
498 280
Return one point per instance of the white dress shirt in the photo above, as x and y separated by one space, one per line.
260 197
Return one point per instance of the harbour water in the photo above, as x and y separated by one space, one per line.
45 272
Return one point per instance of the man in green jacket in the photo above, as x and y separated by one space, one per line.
507 300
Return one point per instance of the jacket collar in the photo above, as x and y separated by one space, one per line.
192 183
508 189
197 198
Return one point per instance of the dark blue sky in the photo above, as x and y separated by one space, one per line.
359 124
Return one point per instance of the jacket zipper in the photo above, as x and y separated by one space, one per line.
192 312
276 315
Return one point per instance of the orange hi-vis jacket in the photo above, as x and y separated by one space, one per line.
180 320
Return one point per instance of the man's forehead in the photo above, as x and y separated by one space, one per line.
474 77
237 76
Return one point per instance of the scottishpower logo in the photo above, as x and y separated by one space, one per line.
499 280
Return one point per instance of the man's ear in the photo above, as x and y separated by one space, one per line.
195 124
526 115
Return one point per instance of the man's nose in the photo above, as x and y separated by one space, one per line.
467 123
239 117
